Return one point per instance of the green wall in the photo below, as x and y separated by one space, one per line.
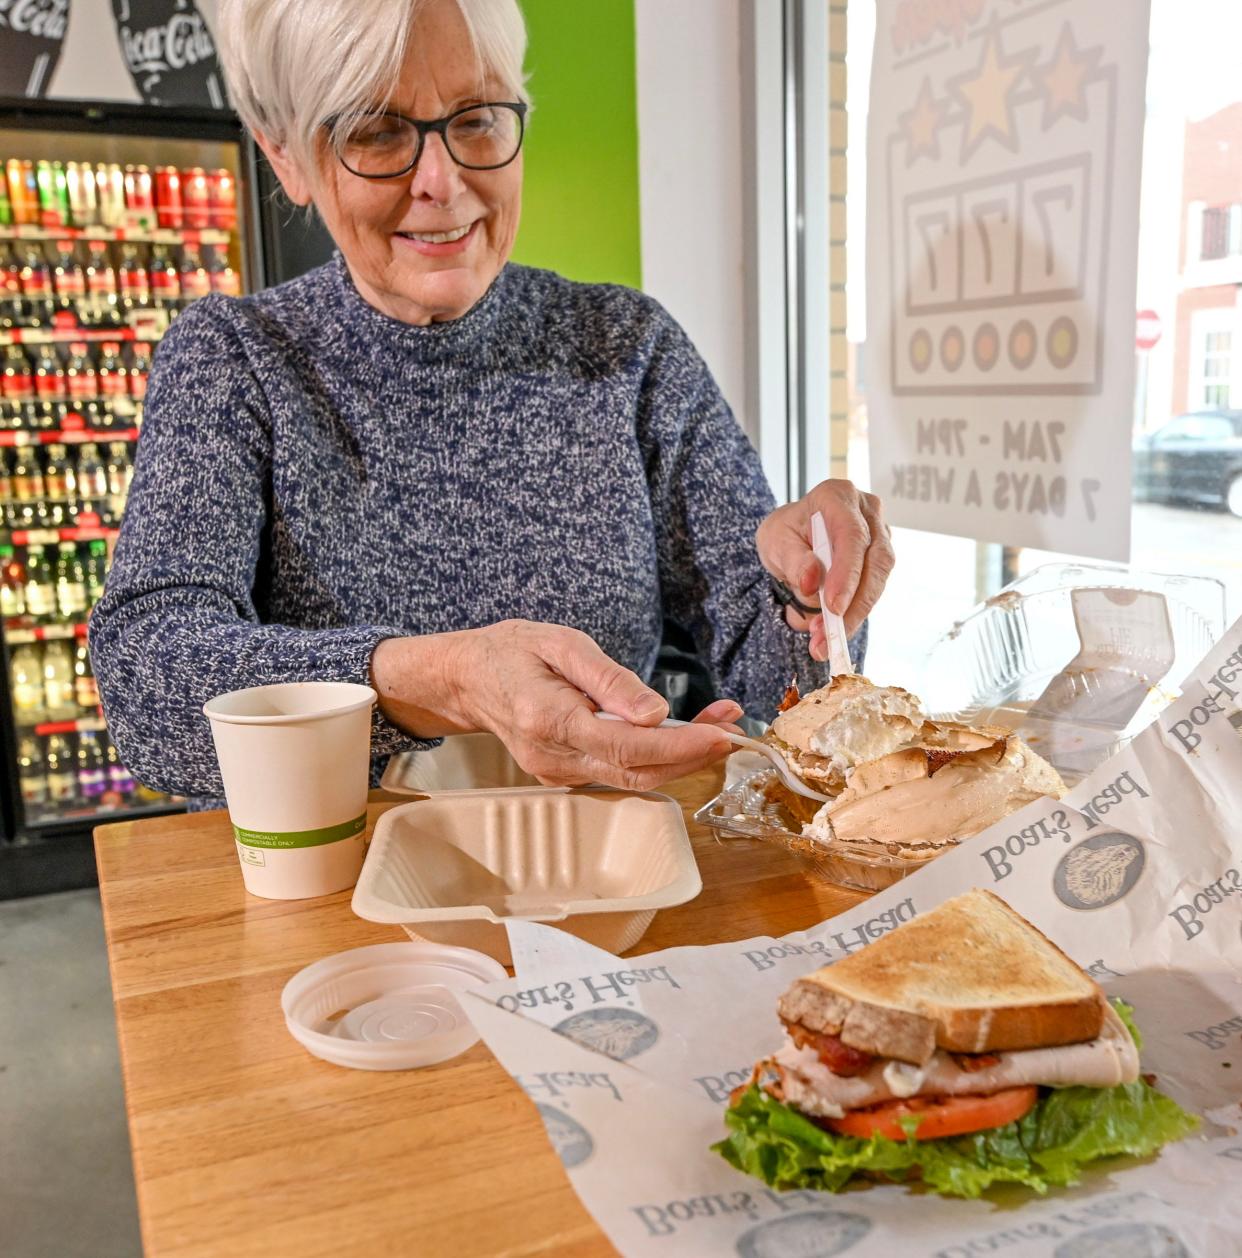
580 211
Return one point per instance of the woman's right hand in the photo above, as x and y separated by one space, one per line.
537 688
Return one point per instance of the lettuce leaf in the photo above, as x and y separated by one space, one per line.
1067 1128
1126 1014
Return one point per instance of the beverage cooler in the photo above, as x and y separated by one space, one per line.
113 219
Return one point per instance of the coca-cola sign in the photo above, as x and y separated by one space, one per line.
32 33
170 53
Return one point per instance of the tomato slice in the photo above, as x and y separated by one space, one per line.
938 1116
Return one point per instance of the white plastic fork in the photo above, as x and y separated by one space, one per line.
791 780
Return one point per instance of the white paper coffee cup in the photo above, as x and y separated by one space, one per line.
295 759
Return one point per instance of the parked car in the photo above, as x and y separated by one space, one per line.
1193 458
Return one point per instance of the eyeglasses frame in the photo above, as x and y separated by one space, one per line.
440 127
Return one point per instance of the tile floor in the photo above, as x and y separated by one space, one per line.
66 1183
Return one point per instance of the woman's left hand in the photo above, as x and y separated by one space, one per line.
862 556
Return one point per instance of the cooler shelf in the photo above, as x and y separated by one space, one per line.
192 236
21 635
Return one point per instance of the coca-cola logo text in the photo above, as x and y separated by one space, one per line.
44 18
185 41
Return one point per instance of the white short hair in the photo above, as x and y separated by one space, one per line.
293 65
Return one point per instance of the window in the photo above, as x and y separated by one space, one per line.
1215 233
1191 212
1217 363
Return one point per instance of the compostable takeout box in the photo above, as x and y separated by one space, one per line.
487 844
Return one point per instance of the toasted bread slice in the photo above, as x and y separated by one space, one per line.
971 976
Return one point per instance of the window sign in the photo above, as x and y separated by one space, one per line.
1003 176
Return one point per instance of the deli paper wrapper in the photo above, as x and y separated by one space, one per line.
1137 874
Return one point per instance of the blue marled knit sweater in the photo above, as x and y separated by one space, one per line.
314 477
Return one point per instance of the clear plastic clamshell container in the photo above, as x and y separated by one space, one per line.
754 805
1074 658
490 845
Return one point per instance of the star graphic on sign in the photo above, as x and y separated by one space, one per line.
987 93
920 124
1065 76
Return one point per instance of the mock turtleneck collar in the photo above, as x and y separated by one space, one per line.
427 342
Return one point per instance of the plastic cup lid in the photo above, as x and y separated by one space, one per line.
388 1006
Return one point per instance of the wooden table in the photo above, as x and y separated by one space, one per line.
244 1144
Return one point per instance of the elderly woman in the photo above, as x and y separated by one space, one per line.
478 486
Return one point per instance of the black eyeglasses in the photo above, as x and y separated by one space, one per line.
386 144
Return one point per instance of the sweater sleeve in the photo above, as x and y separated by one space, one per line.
178 623
709 495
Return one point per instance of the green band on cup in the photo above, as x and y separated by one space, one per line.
301 838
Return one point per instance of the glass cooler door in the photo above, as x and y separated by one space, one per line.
113 220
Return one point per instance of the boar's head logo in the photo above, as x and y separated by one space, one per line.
1124 1240
811 1234
617 1033
1098 871
570 1139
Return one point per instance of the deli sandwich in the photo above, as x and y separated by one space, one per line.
963 1048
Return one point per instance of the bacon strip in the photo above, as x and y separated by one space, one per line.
971 1062
840 1058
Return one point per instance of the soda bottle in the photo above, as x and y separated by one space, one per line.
70 583
85 688
59 477
135 279
195 282
36 275
120 779
101 282
12 587
120 472
82 193
26 684
96 570
165 284
31 772
10 275
6 478
113 376
220 273
16 376
222 196
58 679
49 375
6 206
62 777
92 767
81 380
40 586
27 475
31 213
92 476
139 370
170 53
67 275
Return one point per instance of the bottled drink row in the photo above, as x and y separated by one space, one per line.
64 487
60 772
99 283
52 681
78 194
50 586
103 383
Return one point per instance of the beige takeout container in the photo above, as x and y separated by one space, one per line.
454 868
